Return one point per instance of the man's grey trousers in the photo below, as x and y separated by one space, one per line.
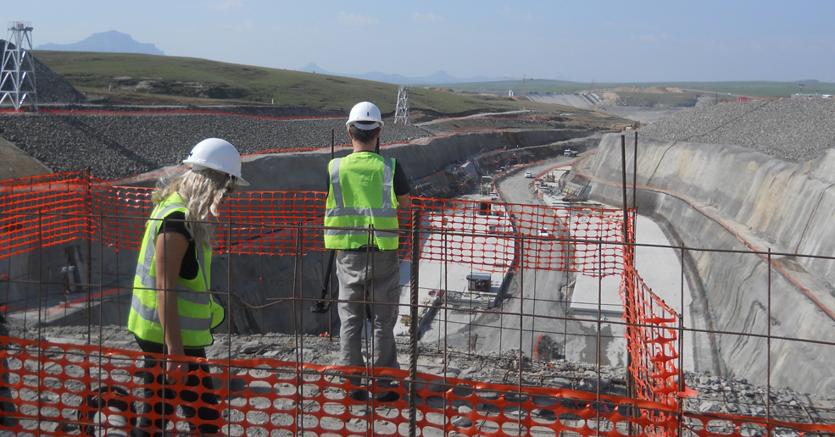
371 277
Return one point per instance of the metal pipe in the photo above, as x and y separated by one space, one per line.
299 424
414 282
681 381
521 329
228 319
599 348
768 353
635 176
627 253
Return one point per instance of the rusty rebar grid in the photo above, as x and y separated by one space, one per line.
768 336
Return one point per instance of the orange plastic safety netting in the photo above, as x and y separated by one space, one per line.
652 340
61 389
652 343
489 236
43 211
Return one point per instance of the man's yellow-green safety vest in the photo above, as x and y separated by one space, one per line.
361 195
198 312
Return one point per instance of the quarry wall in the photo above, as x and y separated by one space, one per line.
727 197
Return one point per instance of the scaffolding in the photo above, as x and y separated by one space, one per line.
17 72
57 387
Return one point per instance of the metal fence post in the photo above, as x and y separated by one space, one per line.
414 279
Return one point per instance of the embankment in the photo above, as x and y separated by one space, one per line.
741 201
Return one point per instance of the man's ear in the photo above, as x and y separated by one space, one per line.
349 133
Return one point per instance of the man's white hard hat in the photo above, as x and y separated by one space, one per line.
217 154
365 116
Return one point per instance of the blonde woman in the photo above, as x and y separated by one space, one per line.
172 311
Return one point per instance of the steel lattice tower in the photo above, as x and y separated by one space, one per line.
401 113
17 73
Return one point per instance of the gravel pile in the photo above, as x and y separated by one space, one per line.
119 146
51 87
796 129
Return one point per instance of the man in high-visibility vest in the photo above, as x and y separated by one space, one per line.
364 191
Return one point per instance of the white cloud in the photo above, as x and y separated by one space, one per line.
426 17
359 20
225 5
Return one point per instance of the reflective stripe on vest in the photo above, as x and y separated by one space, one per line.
195 305
348 226
152 315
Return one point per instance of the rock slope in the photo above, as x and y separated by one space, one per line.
795 129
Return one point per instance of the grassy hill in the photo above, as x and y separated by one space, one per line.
747 88
117 77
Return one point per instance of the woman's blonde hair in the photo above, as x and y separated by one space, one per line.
202 190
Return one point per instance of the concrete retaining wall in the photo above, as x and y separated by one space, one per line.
728 197
306 171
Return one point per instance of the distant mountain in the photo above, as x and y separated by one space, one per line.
436 78
111 41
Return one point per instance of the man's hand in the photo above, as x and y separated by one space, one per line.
176 372
404 201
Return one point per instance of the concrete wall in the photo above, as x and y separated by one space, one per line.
727 197
306 171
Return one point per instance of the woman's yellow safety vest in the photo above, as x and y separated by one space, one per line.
361 197
198 311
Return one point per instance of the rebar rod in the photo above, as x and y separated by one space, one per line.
414 282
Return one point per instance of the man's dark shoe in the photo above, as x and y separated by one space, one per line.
389 396
359 395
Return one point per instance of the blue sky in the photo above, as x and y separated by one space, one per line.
580 40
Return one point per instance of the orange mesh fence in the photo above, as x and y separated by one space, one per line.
64 389
486 235
652 340
652 344
119 214
42 211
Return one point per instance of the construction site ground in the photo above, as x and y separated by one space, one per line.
501 344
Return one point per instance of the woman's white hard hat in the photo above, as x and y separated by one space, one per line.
217 154
365 116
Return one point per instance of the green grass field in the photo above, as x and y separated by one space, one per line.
167 79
